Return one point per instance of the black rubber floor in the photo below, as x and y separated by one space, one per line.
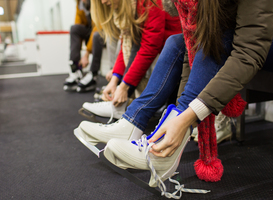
40 158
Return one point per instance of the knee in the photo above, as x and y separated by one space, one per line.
175 41
98 40
175 38
74 28
96 36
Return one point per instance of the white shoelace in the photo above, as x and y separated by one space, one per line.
143 143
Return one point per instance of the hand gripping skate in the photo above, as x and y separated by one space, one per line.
125 154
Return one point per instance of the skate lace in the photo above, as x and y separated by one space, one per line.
112 116
143 144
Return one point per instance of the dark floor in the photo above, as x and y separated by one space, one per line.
40 158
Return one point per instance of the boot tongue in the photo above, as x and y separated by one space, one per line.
168 114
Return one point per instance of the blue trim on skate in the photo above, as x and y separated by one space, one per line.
169 110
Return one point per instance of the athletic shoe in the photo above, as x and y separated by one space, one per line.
87 83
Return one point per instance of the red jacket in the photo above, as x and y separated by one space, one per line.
158 26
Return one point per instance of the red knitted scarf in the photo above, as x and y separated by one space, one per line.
208 167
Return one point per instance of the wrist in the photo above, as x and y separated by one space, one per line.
124 86
114 80
200 109
87 54
188 118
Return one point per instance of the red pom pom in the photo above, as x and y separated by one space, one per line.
235 107
211 172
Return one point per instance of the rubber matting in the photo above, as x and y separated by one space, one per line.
40 158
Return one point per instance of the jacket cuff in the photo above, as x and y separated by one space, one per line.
200 109
117 75
127 84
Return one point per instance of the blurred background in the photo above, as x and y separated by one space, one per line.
34 37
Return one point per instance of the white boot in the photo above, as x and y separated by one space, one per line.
126 154
106 109
94 133
87 83
222 128
71 82
194 132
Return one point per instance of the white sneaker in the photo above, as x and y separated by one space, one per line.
95 133
106 109
126 154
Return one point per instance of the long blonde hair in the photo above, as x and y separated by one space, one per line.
102 15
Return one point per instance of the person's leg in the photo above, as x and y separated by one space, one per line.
97 53
164 78
162 82
203 70
89 81
77 34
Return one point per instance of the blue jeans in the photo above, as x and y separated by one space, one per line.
167 74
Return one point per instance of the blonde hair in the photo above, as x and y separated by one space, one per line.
102 15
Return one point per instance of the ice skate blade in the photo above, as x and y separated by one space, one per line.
69 88
130 177
87 114
93 148
87 89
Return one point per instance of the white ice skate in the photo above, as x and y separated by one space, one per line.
103 109
135 154
87 83
90 134
71 82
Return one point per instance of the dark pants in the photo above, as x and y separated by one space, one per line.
78 33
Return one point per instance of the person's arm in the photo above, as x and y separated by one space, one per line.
80 17
252 40
85 59
251 43
174 131
151 44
